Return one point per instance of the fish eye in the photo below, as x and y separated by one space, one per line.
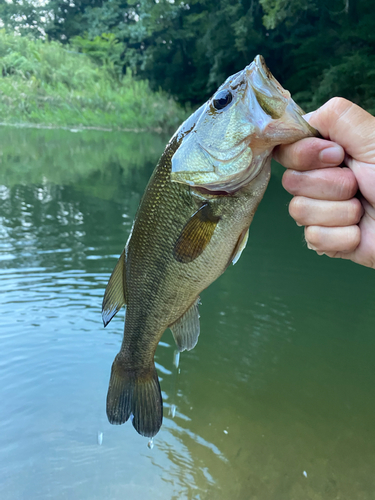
222 99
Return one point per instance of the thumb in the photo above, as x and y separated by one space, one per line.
345 123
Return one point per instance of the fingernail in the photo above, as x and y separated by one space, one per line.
310 247
298 224
307 116
332 155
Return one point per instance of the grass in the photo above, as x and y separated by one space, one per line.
48 84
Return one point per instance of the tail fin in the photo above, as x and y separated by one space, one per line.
135 393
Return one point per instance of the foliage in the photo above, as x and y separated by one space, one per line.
47 83
331 51
186 49
104 50
277 11
25 17
316 48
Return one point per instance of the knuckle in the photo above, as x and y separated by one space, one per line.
355 211
353 237
349 239
312 235
297 208
299 154
283 154
304 153
291 181
347 185
339 104
336 101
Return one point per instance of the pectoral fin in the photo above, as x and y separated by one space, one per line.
196 235
241 244
186 329
114 296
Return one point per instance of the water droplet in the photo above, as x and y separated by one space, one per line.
172 410
150 444
100 438
225 431
304 473
176 358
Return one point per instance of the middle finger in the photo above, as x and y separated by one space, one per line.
324 184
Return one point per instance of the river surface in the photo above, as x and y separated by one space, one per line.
276 401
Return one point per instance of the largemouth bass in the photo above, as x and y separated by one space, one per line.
192 223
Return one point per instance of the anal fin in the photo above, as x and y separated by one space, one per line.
186 329
114 295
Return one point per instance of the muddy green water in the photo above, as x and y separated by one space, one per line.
277 400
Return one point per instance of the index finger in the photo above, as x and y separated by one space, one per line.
309 154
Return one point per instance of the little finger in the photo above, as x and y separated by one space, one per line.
333 239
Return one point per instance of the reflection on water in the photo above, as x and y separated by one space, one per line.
280 384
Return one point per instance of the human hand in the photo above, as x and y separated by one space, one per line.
337 223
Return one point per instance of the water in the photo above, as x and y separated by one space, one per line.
277 400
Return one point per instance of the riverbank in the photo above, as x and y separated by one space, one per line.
49 85
80 128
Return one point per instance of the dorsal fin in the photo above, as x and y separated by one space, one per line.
186 329
114 295
196 235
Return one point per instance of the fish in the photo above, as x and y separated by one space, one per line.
192 223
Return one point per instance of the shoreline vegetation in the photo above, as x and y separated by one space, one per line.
144 65
45 84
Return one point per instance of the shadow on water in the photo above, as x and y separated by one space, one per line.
276 402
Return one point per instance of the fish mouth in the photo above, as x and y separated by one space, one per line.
265 73
262 81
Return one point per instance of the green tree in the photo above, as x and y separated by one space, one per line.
316 48
23 16
328 48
